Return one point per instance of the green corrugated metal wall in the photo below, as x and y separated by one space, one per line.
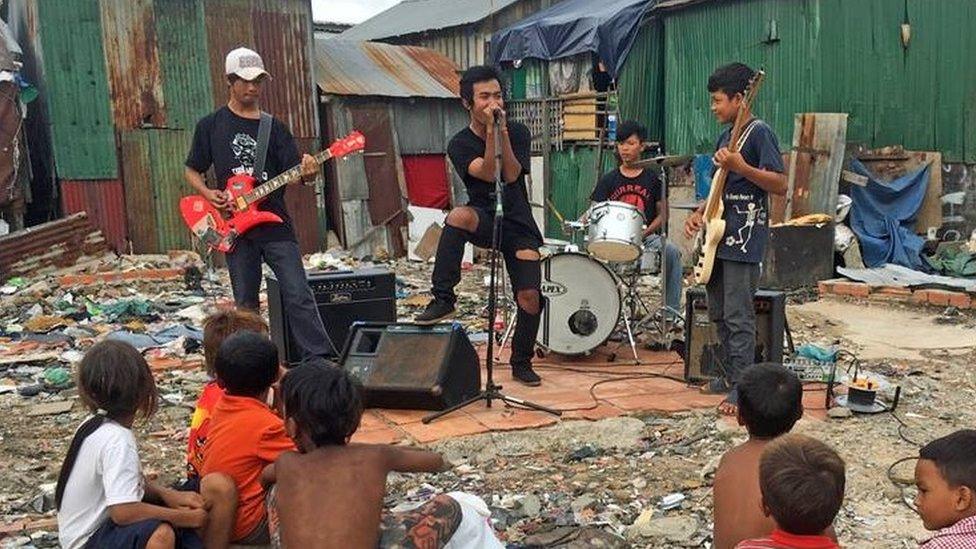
831 56
573 178
184 61
77 83
641 82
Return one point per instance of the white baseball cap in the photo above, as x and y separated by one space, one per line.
245 63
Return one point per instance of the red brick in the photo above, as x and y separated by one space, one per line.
945 298
854 289
960 300
117 276
920 296
825 287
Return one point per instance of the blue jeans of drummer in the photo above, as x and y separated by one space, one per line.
672 278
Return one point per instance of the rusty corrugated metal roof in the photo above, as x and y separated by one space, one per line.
46 247
369 68
412 16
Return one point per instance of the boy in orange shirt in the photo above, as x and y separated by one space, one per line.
216 328
246 436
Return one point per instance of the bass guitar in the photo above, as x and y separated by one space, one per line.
219 230
713 228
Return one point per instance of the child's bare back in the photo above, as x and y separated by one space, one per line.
738 514
333 496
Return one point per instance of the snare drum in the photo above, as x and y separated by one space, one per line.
616 231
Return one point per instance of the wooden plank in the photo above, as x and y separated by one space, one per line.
819 140
930 212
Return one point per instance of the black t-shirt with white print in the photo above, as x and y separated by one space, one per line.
228 142
746 204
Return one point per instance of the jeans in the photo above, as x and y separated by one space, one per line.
672 278
285 259
731 290
524 274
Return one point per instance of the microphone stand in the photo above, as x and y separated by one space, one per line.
492 390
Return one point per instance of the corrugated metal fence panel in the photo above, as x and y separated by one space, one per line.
942 65
302 203
864 67
417 122
574 176
104 201
129 40
153 164
228 26
641 83
832 56
701 38
282 35
184 64
77 85
140 191
168 149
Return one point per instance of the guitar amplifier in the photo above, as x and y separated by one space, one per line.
341 297
412 367
703 352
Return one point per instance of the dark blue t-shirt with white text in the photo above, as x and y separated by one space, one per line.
746 204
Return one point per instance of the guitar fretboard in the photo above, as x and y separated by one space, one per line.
284 178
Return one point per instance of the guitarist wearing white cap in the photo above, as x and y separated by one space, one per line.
236 139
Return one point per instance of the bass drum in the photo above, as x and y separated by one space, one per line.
582 304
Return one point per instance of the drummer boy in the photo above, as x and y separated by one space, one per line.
642 189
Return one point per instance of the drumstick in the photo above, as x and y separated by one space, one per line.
555 211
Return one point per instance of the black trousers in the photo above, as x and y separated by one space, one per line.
524 274
285 259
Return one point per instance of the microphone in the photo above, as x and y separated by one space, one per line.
496 113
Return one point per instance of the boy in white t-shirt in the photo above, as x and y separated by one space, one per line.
102 497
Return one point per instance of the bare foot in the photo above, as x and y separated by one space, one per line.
727 408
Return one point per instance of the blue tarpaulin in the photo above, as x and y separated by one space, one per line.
607 28
883 217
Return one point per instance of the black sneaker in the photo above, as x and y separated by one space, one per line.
436 311
524 374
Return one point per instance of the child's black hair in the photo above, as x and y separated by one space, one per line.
770 400
730 79
115 382
323 402
247 364
474 75
628 128
955 456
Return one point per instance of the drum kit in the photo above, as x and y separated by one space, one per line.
592 295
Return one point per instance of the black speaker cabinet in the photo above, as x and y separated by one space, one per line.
702 349
342 297
412 367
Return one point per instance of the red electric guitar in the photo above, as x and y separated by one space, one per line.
219 230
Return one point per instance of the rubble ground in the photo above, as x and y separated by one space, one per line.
620 482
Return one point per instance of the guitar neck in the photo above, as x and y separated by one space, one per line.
284 178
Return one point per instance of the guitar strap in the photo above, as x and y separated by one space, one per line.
261 154
745 134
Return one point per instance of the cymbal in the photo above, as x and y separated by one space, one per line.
664 161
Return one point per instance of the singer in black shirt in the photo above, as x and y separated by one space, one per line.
472 152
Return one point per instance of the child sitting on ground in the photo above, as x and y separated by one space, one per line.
330 493
802 484
770 403
103 500
216 328
946 478
245 434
